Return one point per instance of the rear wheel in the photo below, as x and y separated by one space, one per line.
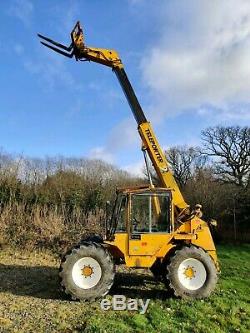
191 273
87 272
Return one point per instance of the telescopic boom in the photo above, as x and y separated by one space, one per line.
110 58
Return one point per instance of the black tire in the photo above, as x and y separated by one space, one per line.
92 238
204 278
104 266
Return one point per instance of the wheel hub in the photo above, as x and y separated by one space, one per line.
192 274
189 272
87 271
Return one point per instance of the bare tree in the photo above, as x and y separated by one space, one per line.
230 147
184 161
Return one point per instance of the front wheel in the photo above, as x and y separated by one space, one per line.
87 272
191 273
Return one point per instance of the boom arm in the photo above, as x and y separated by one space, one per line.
110 58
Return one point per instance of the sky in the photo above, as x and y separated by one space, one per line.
188 61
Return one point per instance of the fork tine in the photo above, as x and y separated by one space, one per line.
68 55
66 48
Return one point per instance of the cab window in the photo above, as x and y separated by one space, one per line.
150 212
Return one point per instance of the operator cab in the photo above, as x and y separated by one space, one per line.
141 210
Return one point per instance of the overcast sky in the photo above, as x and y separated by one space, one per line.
189 63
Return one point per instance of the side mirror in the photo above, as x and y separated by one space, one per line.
213 223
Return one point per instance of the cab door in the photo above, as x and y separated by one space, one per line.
150 226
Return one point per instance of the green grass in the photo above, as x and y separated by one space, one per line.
30 300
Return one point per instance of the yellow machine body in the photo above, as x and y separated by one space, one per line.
186 227
148 247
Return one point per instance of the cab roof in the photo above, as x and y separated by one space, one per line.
142 189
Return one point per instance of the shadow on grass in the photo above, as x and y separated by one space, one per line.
134 285
38 281
43 282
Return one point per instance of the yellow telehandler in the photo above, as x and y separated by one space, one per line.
150 227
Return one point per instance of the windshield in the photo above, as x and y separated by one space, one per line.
145 217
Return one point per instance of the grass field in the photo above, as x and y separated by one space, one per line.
30 300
